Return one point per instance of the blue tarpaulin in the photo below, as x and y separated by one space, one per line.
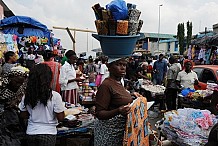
24 26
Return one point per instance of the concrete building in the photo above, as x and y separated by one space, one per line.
215 28
148 42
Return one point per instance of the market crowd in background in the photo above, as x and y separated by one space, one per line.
62 77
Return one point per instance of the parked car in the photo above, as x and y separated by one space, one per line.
206 73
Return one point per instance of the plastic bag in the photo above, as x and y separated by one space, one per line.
119 9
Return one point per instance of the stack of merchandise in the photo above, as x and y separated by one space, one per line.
188 126
154 89
118 18
196 98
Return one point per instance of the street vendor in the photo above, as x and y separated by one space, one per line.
142 71
112 106
68 79
187 77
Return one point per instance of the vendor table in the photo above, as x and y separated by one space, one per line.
197 104
159 98
75 137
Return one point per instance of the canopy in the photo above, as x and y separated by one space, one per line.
24 26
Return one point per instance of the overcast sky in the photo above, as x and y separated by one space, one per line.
79 14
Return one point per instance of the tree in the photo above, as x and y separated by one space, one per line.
181 37
189 33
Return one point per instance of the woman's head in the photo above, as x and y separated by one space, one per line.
117 68
47 55
10 57
38 85
144 65
188 65
15 81
71 56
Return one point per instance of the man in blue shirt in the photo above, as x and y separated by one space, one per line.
160 69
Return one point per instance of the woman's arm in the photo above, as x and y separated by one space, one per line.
104 115
60 116
24 114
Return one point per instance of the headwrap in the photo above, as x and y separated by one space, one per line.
110 60
186 61
144 63
6 95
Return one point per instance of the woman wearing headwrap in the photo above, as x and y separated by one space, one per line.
112 106
187 77
13 85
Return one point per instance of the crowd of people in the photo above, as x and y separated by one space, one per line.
36 93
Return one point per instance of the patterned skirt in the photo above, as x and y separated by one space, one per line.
70 96
109 132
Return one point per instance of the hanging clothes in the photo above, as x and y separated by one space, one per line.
189 53
207 56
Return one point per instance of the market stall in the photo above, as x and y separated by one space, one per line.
77 127
199 99
27 37
188 126
153 93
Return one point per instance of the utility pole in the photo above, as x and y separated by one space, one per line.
159 30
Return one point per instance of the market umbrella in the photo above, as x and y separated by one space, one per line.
24 26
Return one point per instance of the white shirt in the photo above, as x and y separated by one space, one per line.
104 72
42 119
67 72
187 79
179 65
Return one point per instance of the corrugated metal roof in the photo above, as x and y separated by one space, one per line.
168 41
155 35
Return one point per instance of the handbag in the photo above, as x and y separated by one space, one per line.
98 80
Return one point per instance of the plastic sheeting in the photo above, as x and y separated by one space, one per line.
24 26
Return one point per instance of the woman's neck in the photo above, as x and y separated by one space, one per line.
115 78
187 71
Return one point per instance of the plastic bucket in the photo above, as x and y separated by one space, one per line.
117 46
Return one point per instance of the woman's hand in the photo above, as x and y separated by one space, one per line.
124 110
195 82
136 94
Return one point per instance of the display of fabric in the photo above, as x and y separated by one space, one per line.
191 126
136 131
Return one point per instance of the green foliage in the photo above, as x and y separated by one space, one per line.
181 37
189 33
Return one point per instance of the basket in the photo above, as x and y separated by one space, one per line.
117 46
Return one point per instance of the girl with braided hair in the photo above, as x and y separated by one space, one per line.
42 106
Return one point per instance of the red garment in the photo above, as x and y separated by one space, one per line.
55 68
149 69
187 60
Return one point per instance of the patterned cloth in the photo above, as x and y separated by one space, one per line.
6 68
11 131
41 140
136 130
109 132
70 96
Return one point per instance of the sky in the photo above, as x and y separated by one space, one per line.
79 14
